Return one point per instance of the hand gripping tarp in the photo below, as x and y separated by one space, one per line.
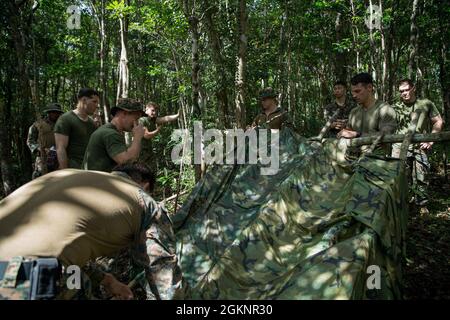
323 227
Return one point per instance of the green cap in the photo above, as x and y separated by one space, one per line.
128 104
53 107
267 93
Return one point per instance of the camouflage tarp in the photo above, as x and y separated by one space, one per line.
309 232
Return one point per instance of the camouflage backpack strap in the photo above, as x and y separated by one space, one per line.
11 273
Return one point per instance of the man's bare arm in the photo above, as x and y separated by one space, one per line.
167 119
150 134
62 142
437 123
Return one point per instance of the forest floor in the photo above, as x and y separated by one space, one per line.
427 267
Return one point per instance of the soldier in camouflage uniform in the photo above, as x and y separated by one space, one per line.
417 154
271 116
92 214
342 104
41 141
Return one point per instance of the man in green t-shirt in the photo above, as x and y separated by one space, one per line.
107 147
152 125
431 122
74 128
371 116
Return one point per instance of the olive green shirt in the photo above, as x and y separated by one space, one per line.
379 118
105 143
79 132
147 145
405 112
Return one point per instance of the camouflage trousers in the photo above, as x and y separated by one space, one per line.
38 168
160 278
68 287
418 167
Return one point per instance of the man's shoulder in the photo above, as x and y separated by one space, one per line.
357 108
425 103
259 116
383 106
66 116
144 120
106 130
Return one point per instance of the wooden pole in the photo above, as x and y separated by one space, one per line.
391 138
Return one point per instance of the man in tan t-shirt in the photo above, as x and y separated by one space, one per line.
77 216
371 116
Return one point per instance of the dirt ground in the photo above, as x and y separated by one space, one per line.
427 267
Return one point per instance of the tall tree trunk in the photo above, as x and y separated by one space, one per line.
189 12
340 61
444 58
391 68
100 17
281 65
25 117
56 89
355 33
6 138
241 67
103 57
372 54
6 170
214 41
124 78
413 41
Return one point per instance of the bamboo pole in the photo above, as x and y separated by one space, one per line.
391 138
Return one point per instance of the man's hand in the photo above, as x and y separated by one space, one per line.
116 288
339 124
426 145
151 134
345 133
138 130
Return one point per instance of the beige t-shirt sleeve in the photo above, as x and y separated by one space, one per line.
388 119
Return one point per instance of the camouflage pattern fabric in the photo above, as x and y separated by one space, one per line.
330 109
20 292
309 232
152 273
418 169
